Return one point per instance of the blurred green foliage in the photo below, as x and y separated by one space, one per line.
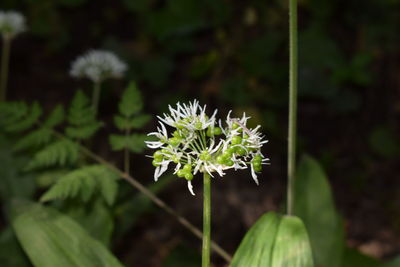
233 54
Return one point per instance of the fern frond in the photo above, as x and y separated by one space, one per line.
83 183
137 122
131 101
44 134
34 139
11 112
58 153
83 132
134 142
20 120
56 117
81 118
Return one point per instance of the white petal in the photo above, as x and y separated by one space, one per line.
190 187
253 174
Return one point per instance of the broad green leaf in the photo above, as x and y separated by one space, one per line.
52 239
95 217
353 258
131 101
13 183
314 204
292 246
275 241
256 247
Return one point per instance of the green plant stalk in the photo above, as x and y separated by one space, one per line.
5 57
292 103
206 220
96 97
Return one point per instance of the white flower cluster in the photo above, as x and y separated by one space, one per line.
11 23
201 144
98 65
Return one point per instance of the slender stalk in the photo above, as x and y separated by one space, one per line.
292 103
96 97
160 203
5 58
206 221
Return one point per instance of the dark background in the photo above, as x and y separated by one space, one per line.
233 54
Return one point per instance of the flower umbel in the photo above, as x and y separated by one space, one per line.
199 143
11 23
98 65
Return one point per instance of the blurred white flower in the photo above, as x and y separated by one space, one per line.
98 65
11 23
200 144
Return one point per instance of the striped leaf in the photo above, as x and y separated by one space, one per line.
50 239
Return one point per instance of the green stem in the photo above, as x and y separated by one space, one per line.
292 103
206 220
96 97
5 57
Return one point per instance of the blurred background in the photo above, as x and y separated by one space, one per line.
233 54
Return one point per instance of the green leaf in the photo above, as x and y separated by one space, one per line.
27 122
11 112
95 217
131 101
136 122
84 131
135 142
292 247
56 117
83 183
34 139
275 241
81 117
314 204
52 239
80 111
13 183
256 247
59 153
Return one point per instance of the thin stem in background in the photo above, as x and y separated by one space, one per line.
292 103
160 203
206 220
96 97
5 58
